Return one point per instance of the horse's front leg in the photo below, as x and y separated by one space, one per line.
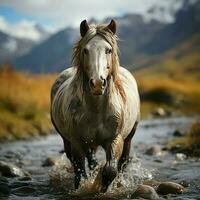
113 154
78 161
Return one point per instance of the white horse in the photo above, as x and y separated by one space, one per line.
96 102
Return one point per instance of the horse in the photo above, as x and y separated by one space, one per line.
96 103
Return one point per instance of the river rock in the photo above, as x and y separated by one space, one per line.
146 192
170 188
177 133
155 150
10 170
180 156
161 112
50 161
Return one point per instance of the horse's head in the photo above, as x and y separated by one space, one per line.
97 55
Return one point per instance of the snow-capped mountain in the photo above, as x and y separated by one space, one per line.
17 40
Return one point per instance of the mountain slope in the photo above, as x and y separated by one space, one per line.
140 41
12 47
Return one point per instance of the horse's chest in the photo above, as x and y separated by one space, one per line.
96 130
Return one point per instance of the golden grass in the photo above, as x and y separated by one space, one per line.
176 80
24 103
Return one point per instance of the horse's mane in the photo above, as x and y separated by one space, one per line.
103 31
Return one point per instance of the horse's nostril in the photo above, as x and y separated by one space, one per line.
104 83
92 82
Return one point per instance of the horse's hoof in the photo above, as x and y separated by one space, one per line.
108 175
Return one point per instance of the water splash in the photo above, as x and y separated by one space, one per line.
124 184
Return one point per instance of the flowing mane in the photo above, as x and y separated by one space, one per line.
104 32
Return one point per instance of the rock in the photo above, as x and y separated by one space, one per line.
184 183
152 183
170 188
155 150
180 156
10 170
160 112
146 192
50 161
177 133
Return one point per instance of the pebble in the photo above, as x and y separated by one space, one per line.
177 133
170 188
180 156
161 112
50 161
155 150
146 192
10 170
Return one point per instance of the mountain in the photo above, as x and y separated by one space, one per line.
18 41
12 47
50 55
141 41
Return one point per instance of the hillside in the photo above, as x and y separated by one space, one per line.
140 41
179 71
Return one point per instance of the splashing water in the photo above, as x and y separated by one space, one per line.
124 184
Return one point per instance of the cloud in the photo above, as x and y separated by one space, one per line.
23 29
71 12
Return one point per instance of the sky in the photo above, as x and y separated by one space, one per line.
19 16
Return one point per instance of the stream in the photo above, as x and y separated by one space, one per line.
55 182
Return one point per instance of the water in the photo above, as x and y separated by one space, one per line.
57 182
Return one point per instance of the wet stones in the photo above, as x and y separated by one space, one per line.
178 133
154 150
11 170
161 112
170 188
180 156
146 192
151 189
50 161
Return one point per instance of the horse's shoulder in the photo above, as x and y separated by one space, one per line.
126 76
62 77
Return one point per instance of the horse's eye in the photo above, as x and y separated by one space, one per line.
108 51
85 51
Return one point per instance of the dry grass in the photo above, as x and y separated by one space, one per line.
173 84
24 104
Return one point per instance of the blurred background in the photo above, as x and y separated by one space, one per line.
159 44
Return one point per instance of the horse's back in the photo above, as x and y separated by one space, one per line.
63 76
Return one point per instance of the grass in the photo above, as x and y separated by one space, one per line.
24 104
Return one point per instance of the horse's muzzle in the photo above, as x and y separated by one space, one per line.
97 86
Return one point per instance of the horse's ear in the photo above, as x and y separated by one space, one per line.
112 26
84 28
